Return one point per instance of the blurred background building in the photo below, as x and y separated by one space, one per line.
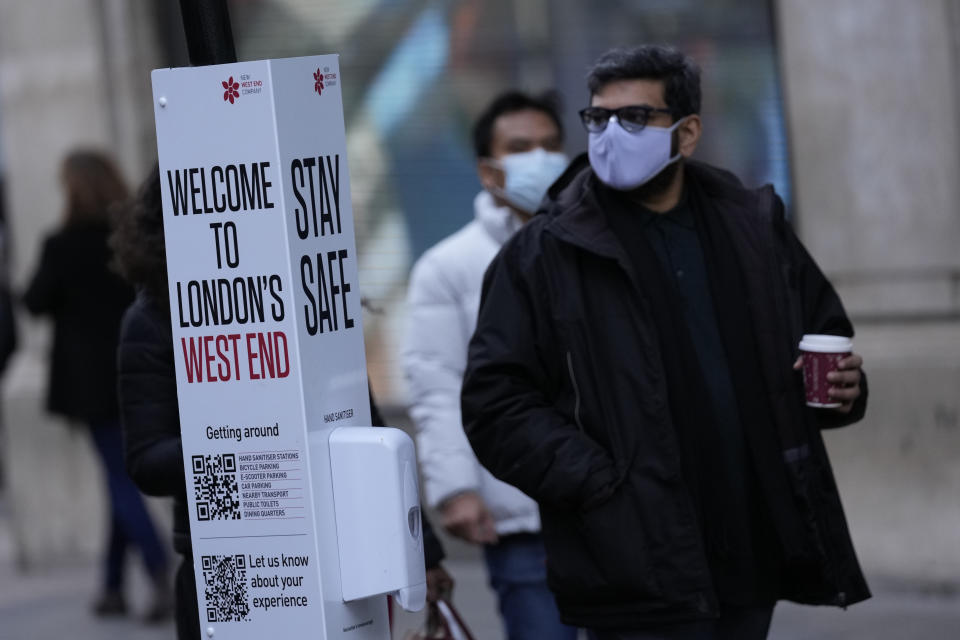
851 108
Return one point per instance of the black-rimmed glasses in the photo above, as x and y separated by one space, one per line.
632 118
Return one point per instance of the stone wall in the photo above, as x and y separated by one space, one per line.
872 93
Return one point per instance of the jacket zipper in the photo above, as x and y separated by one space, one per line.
576 392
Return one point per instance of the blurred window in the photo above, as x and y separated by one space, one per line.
415 74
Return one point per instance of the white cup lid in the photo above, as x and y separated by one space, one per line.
825 344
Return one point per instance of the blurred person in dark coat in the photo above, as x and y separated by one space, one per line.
8 325
74 285
148 396
148 384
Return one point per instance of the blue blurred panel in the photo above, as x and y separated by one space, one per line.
425 68
415 64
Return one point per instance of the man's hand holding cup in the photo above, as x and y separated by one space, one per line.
831 371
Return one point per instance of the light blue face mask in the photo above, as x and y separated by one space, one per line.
528 176
624 160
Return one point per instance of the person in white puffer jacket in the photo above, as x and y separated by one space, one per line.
518 141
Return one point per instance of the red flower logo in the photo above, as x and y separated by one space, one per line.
318 82
230 90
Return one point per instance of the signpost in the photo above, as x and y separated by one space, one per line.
268 341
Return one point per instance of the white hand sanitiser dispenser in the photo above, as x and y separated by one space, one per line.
377 507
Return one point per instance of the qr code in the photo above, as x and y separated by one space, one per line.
215 487
225 588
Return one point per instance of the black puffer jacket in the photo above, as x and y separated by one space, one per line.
149 411
151 418
565 397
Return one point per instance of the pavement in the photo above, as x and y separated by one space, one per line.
52 603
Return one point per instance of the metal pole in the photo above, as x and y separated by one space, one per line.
206 24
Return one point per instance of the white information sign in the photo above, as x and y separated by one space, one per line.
267 335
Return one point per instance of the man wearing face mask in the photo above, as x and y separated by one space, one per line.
634 370
518 141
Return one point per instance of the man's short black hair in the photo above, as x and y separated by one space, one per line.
510 102
679 73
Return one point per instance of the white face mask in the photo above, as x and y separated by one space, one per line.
624 160
528 176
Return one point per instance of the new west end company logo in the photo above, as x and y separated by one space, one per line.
243 85
230 90
323 79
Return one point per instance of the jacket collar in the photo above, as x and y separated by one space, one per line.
575 213
574 207
499 222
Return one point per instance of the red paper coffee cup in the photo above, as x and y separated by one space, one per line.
821 355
